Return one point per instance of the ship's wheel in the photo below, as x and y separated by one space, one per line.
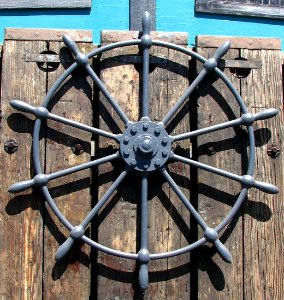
144 146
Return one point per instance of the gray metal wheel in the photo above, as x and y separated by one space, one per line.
144 146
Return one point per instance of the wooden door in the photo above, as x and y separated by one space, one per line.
30 233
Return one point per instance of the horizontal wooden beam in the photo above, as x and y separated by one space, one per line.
206 41
18 4
39 34
107 36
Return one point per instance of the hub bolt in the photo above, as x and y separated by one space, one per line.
145 126
133 130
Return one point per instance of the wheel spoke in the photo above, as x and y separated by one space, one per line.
108 96
183 98
205 130
78 231
210 234
43 113
207 167
143 254
246 119
42 179
82 61
103 200
146 43
245 180
185 201
208 67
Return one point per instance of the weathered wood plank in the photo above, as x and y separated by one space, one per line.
70 278
216 195
263 221
20 215
169 220
44 34
45 4
117 221
112 36
136 11
117 278
209 41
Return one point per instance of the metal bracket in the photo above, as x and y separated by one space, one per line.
48 58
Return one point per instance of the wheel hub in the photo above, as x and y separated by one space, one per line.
145 146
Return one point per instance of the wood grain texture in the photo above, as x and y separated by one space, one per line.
45 4
136 11
169 220
209 41
216 195
117 278
70 278
46 34
117 220
20 215
263 222
112 36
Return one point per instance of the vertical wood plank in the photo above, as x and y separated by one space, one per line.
168 218
117 221
216 195
263 221
136 11
70 278
20 215
117 278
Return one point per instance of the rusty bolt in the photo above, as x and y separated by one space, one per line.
11 146
114 145
273 151
211 149
77 148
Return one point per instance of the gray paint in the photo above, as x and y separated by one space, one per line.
137 9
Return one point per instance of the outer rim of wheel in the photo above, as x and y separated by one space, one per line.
61 217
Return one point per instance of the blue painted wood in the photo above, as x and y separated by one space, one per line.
171 15
106 14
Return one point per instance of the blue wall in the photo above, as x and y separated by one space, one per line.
177 15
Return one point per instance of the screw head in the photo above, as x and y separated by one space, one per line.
157 130
165 153
133 130
158 163
145 126
126 152
126 140
77 149
165 140
211 149
273 151
11 146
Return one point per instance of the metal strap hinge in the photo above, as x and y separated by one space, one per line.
137 59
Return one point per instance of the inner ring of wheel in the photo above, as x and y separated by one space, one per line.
61 217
